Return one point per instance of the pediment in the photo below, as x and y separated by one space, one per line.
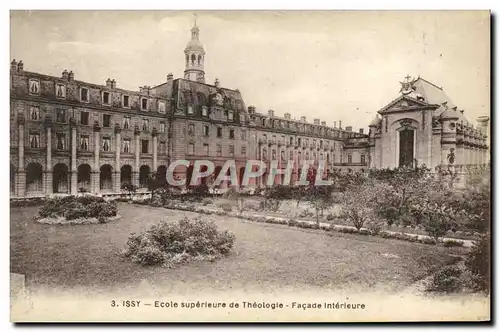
403 104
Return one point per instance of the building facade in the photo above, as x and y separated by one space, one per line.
69 135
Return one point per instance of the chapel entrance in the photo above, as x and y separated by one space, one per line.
406 153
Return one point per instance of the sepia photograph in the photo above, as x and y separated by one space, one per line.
227 166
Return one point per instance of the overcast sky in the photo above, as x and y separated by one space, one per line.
328 65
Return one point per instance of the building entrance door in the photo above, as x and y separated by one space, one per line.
406 140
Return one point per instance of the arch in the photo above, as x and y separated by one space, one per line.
125 175
187 59
34 178
144 173
161 173
83 177
202 99
199 59
193 58
60 179
106 177
12 179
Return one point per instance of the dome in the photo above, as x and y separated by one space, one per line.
375 122
194 45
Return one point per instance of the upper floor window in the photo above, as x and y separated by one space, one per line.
106 120
162 127
60 90
34 87
242 118
231 134
363 159
204 111
105 98
205 148
191 129
231 150
243 134
126 145
144 146
161 106
190 109
126 101
126 122
34 113
219 150
219 132
61 141
230 115
162 148
84 118
84 95
206 131
84 142
34 140
106 144
191 148
60 115
243 151
144 103
145 124
349 158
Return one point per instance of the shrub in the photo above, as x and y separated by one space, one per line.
71 207
453 243
374 228
180 242
446 280
330 217
427 240
478 263
226 207
206 201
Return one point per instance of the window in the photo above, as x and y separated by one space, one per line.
144 146
60 115
190 109
273 156
298 141
106 120
204 111
126 145
34 113
263 122
34 87
231 134
349 158
84 142
106 144
105 97
34 140
161 106
126 122
219 150
84 95
314 155
307 155
219 132
243 151
191 129
145 125
283 157
242 118
144 103
299 156
274 138
84 118
314 143
243 134
205 149
162 127
264 153
230 115
61 141
362 158
291 155
206 130
321 144
162 148
60 90
291 140
191 148
126 101
231 150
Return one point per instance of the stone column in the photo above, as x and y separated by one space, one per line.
48 170
21 172
155 151
74 171
135 173
96 171
118 138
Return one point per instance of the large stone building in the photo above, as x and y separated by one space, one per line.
68 134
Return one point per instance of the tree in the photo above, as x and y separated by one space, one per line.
158 187
320 197
358 202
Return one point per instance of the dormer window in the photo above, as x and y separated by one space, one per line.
190 109
34 87
161 107
230 115
84 95
204 111
144 104
60 91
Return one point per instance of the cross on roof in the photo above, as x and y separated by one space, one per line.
408 77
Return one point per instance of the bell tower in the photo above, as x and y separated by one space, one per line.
195 57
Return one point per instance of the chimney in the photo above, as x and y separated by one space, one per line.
302 119
334 124
323 123
361 131
251 109
13 65
348 128
108 83
217 83
270 112
20 66
316 121
65 75
340 124
170 77
113 83
71 76
288 116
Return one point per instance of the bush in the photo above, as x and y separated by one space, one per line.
330 217
478 263
374 228
206 201
427 240
453 243
446 280
226 207
175 243
71 207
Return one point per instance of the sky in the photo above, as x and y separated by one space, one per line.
332 65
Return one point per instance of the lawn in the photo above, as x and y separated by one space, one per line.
266 257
